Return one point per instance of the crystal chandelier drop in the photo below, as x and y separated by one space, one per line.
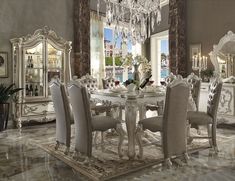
140 15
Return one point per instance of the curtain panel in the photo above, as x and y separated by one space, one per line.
97 47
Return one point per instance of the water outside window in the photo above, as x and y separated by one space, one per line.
164 58
114 50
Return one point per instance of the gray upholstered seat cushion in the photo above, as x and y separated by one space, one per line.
153 124
103 123
199 118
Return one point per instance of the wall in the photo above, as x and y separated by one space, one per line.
164 25
21 17
207 22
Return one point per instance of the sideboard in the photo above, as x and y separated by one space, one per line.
226 110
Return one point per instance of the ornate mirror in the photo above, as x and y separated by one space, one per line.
223 56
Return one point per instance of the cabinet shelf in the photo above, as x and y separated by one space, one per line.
53 55
33 82
36 68
33 54
53 69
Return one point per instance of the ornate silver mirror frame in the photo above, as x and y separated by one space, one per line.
228 37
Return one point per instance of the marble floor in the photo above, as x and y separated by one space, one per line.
22 160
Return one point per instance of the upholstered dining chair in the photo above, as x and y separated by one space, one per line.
195 83
89 82
108 82
172 124
63 114
197 118
170 78
85 123
159 107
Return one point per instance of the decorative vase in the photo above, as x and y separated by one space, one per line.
4 112
136 73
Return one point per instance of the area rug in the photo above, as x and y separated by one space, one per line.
106 164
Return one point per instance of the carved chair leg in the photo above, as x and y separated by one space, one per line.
102 141
161 140
57 145
189 138
75 155
120 113
167 163
79 157
66 152
160 108
139 132
209 132
214 138
186 157
121 133
95 139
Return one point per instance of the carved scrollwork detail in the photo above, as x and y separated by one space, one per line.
35 109
225 101
47 33
30 109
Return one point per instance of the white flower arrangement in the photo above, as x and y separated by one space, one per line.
138 60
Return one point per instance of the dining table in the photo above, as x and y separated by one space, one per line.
134 102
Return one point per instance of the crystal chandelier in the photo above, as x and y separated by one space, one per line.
140 15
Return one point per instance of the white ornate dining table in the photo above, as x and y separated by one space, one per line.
132 102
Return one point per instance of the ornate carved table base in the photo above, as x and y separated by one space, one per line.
130 115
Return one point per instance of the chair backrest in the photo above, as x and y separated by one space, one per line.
62 112
174 118
170 78
89 82
108 83
195 83
214 97
82 117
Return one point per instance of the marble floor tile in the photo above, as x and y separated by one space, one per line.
22 160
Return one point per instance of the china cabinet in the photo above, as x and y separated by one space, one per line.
37 59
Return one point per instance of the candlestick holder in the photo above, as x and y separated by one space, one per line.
199 63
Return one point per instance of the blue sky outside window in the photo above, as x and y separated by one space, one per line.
108 36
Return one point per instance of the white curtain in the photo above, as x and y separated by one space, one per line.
97 48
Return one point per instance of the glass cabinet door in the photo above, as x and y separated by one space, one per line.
55 64
34 73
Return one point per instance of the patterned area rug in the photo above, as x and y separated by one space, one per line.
106 164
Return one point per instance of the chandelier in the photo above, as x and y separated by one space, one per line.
141 17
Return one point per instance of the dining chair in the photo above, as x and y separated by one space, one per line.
195 83
198 118
89 82
64 117
159 107
86 124
170 78
172 125
108 82
97 106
